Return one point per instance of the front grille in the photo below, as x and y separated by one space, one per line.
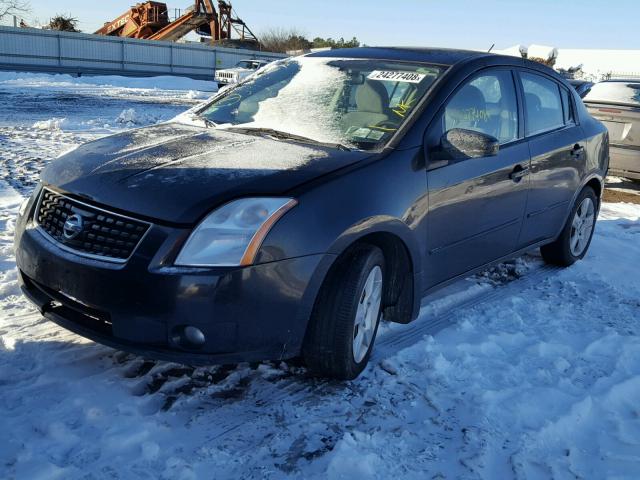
226 75
92 231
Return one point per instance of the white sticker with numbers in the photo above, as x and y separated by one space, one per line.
391 76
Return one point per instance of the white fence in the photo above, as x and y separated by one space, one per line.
30 49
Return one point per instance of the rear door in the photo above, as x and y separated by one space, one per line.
476 205
557 148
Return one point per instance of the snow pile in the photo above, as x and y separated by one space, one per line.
127 118
27 79
542 51
197 95
514 51
597 63
50 124
132 118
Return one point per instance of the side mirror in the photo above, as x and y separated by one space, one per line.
461 144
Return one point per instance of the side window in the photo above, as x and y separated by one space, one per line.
486 104
543 105
567 106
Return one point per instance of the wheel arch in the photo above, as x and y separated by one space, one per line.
593 180
597 184
403 262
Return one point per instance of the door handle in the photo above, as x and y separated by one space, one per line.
577 151
518 173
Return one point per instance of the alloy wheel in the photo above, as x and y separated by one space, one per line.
582 227
367 314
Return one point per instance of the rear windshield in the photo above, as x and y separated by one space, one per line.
357 103
624 93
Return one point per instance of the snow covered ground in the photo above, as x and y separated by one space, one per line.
44 115
524 371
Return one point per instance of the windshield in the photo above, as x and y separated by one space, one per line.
357 103
247 64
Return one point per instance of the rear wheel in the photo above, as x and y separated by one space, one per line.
345 319
574 241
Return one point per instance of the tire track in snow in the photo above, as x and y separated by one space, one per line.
414 332
262 394
295 390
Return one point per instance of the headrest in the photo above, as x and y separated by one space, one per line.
533 101
371 96
468 97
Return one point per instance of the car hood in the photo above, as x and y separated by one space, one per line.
235 70
176 173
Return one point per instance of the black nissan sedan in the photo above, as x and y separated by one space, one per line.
292 212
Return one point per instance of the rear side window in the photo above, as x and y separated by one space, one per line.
486 104
543 104
567 106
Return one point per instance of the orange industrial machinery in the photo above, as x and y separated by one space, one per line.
150 20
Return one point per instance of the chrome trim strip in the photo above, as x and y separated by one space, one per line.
92 256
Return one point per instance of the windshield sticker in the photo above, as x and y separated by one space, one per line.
367 133
390 76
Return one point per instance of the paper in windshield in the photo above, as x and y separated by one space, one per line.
391 76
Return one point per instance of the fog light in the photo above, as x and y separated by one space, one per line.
194 336
187 336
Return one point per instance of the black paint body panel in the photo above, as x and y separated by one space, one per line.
451 219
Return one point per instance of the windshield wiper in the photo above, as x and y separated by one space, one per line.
206 121
280 135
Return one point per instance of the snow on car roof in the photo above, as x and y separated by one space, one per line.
439 56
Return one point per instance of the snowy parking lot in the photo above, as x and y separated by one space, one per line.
524 371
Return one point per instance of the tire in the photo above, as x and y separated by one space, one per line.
331 344
564 250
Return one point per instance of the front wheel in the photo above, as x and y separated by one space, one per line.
345 319
574 241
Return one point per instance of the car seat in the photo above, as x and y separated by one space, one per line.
372 102
468 110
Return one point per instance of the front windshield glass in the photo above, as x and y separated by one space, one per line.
356 103
246 64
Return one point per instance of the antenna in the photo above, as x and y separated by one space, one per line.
491 47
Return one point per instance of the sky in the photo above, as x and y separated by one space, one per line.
453 23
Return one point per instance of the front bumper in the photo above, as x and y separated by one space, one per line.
226 80
246 314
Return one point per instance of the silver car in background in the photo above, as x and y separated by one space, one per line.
616 103
242 69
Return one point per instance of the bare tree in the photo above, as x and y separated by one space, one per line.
13 7
63 23
283 40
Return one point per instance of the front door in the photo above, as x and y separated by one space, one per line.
476 205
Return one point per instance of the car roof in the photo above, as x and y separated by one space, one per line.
438 56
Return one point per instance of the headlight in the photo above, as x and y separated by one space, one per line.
232 234
23 207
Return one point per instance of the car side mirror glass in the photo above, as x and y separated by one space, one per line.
462 144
